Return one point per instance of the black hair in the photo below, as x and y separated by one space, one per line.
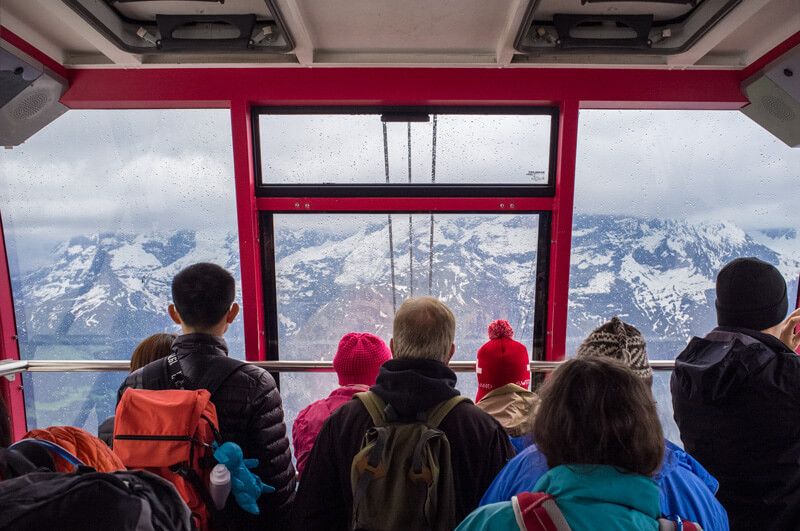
203 294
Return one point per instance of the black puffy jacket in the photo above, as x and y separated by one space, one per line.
736 396
250 414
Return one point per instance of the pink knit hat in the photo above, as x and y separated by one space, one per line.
359 357
502 360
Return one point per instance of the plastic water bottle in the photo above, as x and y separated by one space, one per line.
220 486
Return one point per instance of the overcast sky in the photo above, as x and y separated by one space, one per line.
137 171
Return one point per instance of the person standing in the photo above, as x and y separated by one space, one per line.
736 397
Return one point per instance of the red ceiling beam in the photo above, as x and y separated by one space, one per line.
217 87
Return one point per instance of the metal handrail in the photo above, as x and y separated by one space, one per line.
9 368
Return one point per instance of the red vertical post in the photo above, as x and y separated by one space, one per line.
561 242
247 218
11 390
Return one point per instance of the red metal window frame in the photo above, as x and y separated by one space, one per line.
11 390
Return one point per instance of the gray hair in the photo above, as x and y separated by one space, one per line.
424 328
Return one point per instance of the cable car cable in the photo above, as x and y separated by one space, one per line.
433 181
410 225
391 243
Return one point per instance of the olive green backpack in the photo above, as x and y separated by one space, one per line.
402 476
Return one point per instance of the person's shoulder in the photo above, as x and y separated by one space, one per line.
494 516
254 374
134 380
467 411
679 463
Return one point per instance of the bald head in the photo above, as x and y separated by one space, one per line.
424 328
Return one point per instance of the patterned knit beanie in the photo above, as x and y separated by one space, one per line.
502 360
621 341
750 294
359 357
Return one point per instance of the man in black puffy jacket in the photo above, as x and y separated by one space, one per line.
248 403
736 396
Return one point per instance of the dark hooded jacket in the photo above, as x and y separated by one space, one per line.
736 396
250 414
478 443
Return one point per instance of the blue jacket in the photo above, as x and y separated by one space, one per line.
686 490
589 496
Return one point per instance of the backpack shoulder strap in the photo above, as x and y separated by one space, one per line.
375 407
438 413
537 511
665 524
167 373
53 447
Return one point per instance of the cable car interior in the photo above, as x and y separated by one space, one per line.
552 163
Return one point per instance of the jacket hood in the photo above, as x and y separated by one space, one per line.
601 484
414 385
513 406
720 364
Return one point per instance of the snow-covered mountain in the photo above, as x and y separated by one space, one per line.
106 292
111 289
659 274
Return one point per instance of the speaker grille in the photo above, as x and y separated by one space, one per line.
778 108
31 105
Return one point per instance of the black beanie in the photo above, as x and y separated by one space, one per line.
750 294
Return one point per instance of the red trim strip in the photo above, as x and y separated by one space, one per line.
247 217
562 231
403 204
771 55
9 346
217 87
14 40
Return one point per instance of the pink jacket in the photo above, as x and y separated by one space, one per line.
310 420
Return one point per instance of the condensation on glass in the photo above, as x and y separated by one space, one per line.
100 210
298 149
340 273
663 199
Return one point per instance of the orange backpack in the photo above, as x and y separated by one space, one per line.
170 433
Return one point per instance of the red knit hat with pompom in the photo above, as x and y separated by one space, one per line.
502 360
359 357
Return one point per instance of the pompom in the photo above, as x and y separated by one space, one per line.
500 329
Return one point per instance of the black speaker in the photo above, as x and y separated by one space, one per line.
29 94
774 94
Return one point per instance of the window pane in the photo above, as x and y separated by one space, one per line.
449 149
339 273
663 199
100 210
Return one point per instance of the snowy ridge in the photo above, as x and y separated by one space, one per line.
657 274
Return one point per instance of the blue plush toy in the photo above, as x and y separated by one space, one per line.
245 485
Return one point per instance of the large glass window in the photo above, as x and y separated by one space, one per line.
340 273
469 148
663 199
100 210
